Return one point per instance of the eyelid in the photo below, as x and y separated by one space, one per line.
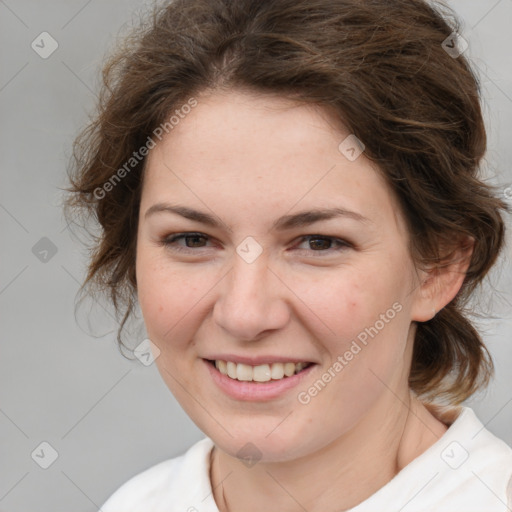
173 237
169 242
342 244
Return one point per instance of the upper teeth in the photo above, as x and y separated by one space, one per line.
260 373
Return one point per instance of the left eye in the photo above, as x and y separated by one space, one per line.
320 243
187 242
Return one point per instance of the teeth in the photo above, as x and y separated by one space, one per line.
277 371
231 369
289 369
222 366
243 372
260 373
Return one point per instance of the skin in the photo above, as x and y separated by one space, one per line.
249 159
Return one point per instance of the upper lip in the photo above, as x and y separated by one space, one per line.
257 360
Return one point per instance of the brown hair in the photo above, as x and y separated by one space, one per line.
379 66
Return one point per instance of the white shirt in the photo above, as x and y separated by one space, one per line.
467 470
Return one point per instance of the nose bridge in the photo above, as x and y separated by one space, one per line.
250 300
250 278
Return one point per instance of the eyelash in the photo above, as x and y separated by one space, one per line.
170 242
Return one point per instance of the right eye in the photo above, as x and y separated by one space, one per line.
190 241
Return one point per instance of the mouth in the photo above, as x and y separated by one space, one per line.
262 373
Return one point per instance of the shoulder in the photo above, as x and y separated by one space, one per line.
489 462
470 438
473 467
468 469
179 481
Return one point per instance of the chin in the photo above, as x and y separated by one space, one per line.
264 442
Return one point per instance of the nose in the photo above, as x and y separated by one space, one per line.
251 301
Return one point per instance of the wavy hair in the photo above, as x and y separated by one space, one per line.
380 66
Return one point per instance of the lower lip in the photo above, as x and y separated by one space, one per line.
256 391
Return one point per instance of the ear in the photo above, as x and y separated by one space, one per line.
440 283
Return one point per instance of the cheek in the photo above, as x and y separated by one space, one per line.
346 302
168 297
359 315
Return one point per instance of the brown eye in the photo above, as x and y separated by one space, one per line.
322 244
185 241
194 240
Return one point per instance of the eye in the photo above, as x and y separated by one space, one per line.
323 244
190 241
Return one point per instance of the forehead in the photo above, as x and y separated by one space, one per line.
265 152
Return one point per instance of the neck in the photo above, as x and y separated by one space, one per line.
338 477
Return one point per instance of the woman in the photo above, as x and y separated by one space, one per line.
290 191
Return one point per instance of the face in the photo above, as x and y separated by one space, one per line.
232 268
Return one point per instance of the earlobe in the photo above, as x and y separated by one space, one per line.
441 283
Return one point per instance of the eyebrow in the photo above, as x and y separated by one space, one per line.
285 222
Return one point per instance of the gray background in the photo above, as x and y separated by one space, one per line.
109 418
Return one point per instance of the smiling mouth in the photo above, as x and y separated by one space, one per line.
259 373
